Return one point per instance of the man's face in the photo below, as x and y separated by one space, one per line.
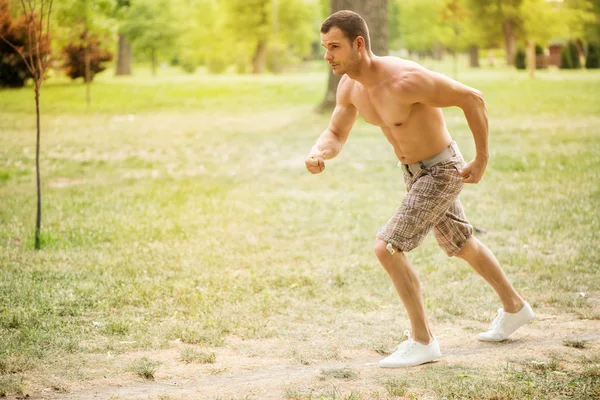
339 53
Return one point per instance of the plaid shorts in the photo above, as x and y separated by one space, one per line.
431 202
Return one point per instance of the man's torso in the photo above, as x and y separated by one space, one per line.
416 131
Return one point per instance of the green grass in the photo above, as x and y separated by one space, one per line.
192 355
339 373
144 368
179 208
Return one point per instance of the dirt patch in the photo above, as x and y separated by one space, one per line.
271 368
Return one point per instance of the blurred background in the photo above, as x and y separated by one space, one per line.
158 37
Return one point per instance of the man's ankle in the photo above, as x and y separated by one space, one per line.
514 307
424 340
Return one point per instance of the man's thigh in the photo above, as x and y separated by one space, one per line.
429 196
453 230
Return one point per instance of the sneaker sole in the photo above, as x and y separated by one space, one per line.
391 366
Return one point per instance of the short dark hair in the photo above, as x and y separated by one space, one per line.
349 22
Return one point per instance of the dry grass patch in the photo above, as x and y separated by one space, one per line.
193 355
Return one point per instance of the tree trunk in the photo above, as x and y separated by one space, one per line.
509 41
375 13
275 41
260 57
38 219
88 76
328 102
153 60
531 58
474 56
123 56
438 51
454 65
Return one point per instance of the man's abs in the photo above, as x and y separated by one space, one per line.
421 136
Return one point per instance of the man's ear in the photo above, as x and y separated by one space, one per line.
360 42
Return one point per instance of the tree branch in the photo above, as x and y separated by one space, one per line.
20 52
48 31
28 23
38 38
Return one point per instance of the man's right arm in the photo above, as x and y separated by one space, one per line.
330 143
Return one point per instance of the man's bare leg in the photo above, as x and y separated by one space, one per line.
408 286
483 261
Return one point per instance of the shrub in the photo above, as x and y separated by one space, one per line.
13 70
74 59
539 50
592 60
574 54
188 66
565 58
520 62
217 64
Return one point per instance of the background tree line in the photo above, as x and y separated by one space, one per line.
256 36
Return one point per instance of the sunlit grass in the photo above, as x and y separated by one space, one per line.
178 207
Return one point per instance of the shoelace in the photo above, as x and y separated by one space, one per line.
407 334
498 320
407 345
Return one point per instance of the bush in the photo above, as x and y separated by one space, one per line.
569 56
574 50
539 50
13 70
520 57
188 66
276 58
74 59
217 64
592 61
565 58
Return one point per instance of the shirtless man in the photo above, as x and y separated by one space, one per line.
404 100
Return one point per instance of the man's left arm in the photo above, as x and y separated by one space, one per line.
436 90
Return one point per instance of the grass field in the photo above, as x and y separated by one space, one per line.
188 254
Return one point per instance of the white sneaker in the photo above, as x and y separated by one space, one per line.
506 323
411 353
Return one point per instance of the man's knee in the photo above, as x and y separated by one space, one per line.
384 250
469 248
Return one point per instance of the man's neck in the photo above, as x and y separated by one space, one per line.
365 74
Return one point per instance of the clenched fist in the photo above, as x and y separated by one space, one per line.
314 162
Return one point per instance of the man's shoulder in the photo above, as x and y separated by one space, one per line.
346 82
395 62
402 75
345 87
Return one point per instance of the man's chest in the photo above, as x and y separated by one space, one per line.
380 107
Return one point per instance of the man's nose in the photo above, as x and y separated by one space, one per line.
327 56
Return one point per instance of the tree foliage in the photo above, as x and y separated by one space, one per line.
569 56
520 59
418 22
152 27
81 20
592 61
14 71
74 59
249 33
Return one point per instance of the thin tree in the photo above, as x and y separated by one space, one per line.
123 64
37 64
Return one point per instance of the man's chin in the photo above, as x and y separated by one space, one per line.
337 71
